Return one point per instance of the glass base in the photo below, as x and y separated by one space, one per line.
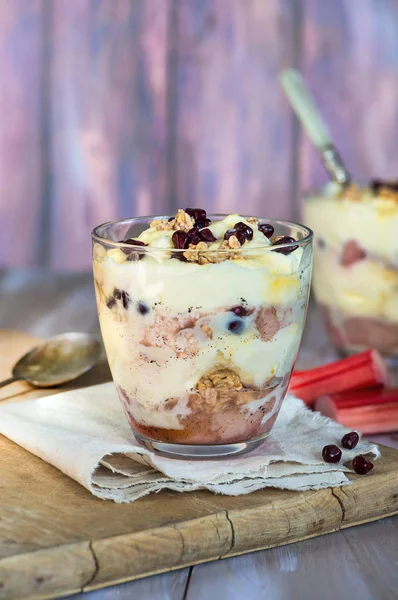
199 452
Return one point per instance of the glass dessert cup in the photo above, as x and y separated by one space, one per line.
355 278
201 350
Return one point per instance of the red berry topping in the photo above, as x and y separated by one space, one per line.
266 229
197 214
240 311
236 326
350 440
331 454
125 300
362 465
111 302
193 236
229 233
142 308
375 185
285 240
133 242
352 253
202 223
207 236
248 231
241 236
180 239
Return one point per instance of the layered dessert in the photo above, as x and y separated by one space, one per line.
356 264
202 322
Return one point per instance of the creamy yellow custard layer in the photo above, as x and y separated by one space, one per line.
174 290
368 287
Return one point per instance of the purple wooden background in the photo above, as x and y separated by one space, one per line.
112 108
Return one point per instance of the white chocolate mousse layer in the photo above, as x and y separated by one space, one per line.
356 250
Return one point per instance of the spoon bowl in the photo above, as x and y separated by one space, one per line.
57 360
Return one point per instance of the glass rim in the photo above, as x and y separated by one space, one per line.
309 234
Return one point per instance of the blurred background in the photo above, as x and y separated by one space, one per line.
114 108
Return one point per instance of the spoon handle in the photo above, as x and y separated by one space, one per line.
10 380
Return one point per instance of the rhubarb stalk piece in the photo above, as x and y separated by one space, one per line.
364 370
370 411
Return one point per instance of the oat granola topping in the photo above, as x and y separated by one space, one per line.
252 220
352 192
182 221
277 238
207 330
388 194
193 254
231 242
220 379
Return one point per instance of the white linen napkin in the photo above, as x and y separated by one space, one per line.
85 434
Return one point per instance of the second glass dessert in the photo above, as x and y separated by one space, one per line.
356 264
202 320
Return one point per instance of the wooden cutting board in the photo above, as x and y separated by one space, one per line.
57 539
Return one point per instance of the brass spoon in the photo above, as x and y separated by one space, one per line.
56 361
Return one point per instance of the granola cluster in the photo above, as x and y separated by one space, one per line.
199 253
384 190
181 222
220 379
190 232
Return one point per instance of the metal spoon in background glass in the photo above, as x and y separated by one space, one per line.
57 360
315 127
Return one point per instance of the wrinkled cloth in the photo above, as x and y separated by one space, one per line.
85 434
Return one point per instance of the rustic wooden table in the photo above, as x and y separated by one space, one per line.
358 562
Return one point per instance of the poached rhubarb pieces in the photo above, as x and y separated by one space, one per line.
353 391
370 411
364 370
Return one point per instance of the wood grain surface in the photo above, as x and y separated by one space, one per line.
360 560
114 108
21 131
350 60
108 124
234 131
55 538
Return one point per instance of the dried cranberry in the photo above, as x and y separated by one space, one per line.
134 242
240 311
197 214
207 236
236 326
131 242
285 240
229 233
142 308
202 223
331 454
111 302
248 231
180 239
125 299
179 256
193 236
266 229
350 440
362 465
117 294
352 253
375 185
241 237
